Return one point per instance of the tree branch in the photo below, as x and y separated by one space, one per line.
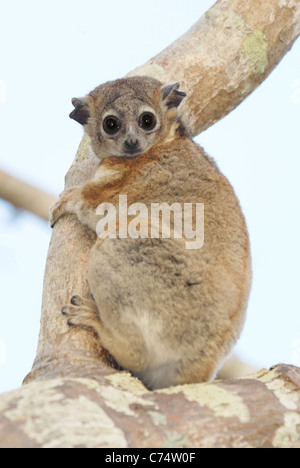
25 196
226 55
116 411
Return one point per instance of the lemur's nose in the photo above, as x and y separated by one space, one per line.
131 144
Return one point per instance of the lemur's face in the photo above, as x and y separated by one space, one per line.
125 118
128 128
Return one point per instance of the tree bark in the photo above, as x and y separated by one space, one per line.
116 411
219 62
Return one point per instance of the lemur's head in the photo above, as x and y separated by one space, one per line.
126 117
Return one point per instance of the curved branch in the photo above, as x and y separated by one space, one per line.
226 55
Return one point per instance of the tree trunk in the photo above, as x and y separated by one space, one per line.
79 400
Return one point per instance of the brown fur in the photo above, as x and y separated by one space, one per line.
167 314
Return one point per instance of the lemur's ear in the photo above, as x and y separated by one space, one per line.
81 113
171 95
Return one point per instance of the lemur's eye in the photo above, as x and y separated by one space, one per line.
111 125
147 121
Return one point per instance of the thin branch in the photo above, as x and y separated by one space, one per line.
25 196
233 368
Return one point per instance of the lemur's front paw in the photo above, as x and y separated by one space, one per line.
56 211
62 206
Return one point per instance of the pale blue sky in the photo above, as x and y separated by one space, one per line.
53 51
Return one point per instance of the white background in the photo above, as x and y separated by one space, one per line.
53 51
